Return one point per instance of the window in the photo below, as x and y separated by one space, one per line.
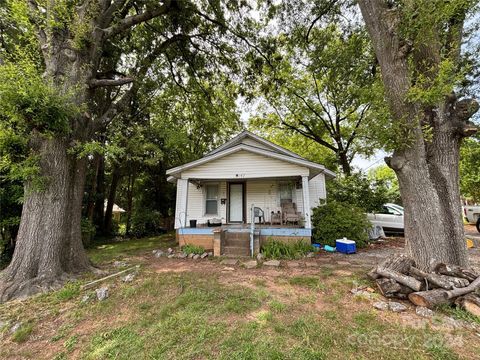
285 190
211 199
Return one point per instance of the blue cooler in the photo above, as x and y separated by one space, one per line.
346 246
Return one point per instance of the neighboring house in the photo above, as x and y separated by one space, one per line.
246 176
117 211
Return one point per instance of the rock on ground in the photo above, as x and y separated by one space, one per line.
196 256
272 263
15 327
158 253
396 306
204 255
102 293
250 264
170 250
119 264
260 256
380 305
423 311
128 278
229 262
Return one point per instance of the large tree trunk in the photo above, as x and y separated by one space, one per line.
49 247
426 164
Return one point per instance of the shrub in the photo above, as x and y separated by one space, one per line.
274 249
336 220
146 222
193 249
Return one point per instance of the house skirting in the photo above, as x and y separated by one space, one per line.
204 237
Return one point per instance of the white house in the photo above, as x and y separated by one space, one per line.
246 176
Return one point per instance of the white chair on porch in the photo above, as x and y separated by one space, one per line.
258 213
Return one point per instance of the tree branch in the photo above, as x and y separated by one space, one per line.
94 83
133 20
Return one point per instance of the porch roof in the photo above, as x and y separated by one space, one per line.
175 173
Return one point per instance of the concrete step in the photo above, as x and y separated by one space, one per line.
237 242
236 250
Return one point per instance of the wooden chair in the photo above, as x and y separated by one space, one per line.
290 214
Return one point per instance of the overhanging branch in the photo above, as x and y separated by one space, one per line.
94 83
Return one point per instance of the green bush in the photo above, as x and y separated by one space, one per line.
337 220
274 249
146 222
193 249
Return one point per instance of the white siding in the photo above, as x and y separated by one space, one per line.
263 194
244 165
179 205
196 203
252 142
317 190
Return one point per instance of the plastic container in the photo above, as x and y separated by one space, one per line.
193 223
329 248
346 246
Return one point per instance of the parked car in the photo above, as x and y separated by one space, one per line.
390 218
472 215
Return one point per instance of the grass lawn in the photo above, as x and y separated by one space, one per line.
186 309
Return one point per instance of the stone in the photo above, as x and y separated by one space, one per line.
226 268
423 311
128 278
182 255
158 253
196 257
380 305
119 264
310 255
210 253
396 306
204 255
250 264
15 327
275 263
260 256
170 250
229 262
191 255
102 293
86 298
171 256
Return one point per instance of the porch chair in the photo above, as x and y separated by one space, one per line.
258 213
290 214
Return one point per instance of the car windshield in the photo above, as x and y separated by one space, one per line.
396 207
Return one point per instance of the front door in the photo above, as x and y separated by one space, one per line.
235 209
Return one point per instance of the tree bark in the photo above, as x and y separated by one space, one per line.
427 168
49 246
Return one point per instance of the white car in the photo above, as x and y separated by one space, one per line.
390 218
472 215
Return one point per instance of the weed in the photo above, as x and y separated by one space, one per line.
274 249
193 249
23 332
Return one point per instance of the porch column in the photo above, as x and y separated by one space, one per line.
183 201
306 202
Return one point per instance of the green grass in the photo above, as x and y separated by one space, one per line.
101 253
459 313
23 332
200 315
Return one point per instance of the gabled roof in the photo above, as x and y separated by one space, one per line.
234 146
247 134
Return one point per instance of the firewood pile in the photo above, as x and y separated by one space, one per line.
397 277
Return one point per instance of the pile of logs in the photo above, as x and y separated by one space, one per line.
397 277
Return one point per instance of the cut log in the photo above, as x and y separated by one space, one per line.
443 281
470 303
437 297
400 263
430 298
406 280
457 271
95 282
391 289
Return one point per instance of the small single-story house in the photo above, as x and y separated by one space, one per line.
244 192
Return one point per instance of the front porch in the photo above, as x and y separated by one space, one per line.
240 239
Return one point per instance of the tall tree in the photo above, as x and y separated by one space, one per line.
50 91
418 47
322 84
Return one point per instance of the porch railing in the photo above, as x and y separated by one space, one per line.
252 228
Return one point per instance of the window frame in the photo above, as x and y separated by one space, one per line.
206 199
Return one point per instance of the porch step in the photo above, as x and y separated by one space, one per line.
237 242
236 251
